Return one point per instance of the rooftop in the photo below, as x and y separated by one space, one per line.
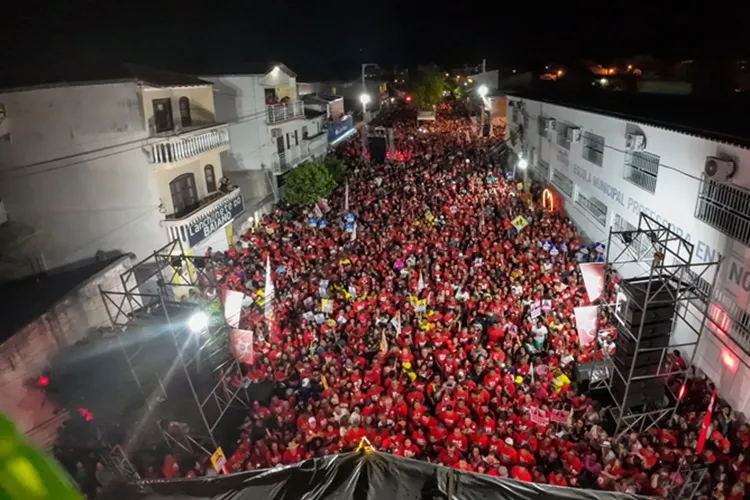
723 121
78 74
26 299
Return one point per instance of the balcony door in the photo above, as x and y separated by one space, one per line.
163 115
184 194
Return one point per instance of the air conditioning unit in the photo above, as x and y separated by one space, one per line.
573 134
635 141
275 133
719 169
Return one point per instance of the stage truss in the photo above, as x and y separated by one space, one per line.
164 289
654 251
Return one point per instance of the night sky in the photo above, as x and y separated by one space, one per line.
330 39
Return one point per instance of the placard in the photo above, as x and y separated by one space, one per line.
539 416
218 459
560 416
536 309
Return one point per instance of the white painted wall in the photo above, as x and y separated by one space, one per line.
74 169
682 158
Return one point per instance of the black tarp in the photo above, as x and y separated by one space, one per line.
355 475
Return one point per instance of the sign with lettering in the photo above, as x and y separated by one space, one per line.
224 212
339 128
560 416
539 416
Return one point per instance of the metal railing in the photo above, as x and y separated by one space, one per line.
642 169
287 160
276 113
180 227
725 207
190 144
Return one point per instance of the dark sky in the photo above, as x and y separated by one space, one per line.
326 39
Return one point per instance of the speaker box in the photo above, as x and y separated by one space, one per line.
630 315
660 295
641 392
377 147
627 344
650 330
643 363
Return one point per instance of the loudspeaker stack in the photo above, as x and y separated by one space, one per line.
657 316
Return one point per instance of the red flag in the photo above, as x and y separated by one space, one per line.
706 425
593 279
587 323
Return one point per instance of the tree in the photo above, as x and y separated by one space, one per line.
336 167
308 183
427 87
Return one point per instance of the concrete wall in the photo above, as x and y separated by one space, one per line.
195 166
24 356
74 169
681 161
201 105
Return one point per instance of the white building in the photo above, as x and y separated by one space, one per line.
606 183
125 164
270 131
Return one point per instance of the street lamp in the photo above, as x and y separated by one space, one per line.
482 91
522 163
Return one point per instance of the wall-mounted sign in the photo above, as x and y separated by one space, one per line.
224 212
339 128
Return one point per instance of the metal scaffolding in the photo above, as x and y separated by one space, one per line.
661 261
159 296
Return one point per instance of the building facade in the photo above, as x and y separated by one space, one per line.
124 164
606 177
269 131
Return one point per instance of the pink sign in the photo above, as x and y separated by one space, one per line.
539 416
587 323
560 416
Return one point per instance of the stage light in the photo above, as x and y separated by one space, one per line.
364 99
482 90
198 322
42 381
522 163
408 98
729 360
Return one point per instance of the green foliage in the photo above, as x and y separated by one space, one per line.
427 87
308 183
336 167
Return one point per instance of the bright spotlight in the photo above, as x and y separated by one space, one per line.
522 163
198 322
364 98
482 90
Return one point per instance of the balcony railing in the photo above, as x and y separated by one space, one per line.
282 112
211 214
189 144
283 162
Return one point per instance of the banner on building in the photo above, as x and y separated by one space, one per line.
593 279
587 323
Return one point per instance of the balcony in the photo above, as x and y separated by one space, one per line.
209 215
277 113
283 162
186 145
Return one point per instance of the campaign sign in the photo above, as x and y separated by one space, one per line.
560 416
539 416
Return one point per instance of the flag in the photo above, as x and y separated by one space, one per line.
587 319
242 345
232 301
420 283
706 425
354 232
346 196
269 290
531 371
593 279
383 343
396 322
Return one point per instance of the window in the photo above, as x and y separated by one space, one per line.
562 182
593 206
184 194
541 170
210 175
726 315
726 208
562 135
288 144
162 115
541 123
593 148
296 138
642 169
185 118
304 132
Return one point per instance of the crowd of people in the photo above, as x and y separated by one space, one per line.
406 319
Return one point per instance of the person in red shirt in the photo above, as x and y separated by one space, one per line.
458 439
293 453
449 456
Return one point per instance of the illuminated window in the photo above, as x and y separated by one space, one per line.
642 169
725 207
593 148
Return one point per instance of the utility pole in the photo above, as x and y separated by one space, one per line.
484 65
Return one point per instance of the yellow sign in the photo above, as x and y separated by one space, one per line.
519 223
218 459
